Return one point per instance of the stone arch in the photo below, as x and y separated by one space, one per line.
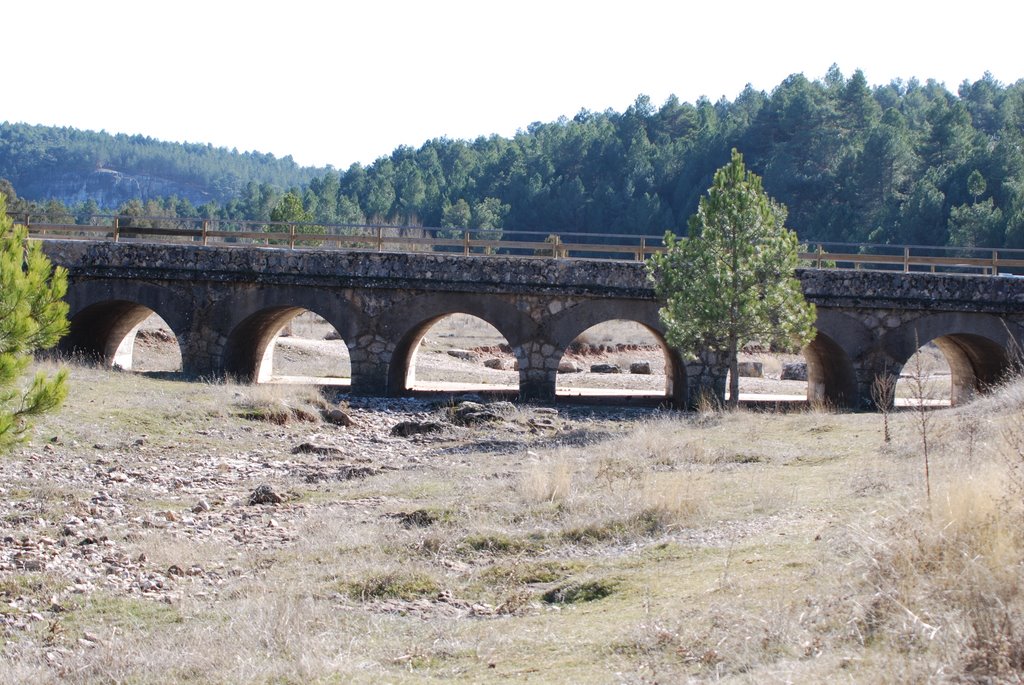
565 326
252 325
979 348
104 320
418 315
831 376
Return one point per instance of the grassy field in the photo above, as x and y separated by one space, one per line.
583 545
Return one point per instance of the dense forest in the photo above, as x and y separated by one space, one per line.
908 162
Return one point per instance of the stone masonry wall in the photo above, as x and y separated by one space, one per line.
433 271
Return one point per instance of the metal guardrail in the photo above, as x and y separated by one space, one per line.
392 238
368 237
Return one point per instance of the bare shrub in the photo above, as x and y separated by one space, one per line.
947 585
919 371
883 394
673 500
548 482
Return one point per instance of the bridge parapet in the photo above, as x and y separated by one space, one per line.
439 272
925 291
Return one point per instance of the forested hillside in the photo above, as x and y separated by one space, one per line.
908 162
45 162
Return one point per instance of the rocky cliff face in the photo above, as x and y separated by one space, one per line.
107 187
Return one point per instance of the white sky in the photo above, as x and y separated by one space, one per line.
333 82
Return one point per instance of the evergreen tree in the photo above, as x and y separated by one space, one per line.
32 316
289 210
731 282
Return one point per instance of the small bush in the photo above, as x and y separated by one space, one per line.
496 543
404 585
573 593
281 405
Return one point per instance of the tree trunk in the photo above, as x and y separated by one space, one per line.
734 374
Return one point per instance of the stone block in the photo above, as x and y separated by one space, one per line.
642 368
751 370
605 368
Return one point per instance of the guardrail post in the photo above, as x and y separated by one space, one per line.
820 252
117 229
995 262
906 260
643 249
206 228
380 239
465 241
291 236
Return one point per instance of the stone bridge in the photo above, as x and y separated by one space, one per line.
227 305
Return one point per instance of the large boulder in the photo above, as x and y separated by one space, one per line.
794 371
568 366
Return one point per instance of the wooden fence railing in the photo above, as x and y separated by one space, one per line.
389 238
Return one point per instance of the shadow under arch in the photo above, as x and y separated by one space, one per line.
979 348
103 326
248 355
513 325
253 322
831 377
569 324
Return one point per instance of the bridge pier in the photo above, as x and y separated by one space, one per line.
538 370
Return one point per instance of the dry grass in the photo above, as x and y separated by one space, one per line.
611 546
280 404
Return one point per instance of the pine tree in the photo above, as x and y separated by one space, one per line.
731 281
33 316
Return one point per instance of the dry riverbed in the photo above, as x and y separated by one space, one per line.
160 531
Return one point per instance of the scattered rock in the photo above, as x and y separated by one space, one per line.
407 429
264 494
794 371
605 368
338 417
641 368
466 355
342 473
474 413
350 472
495 363
322 450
